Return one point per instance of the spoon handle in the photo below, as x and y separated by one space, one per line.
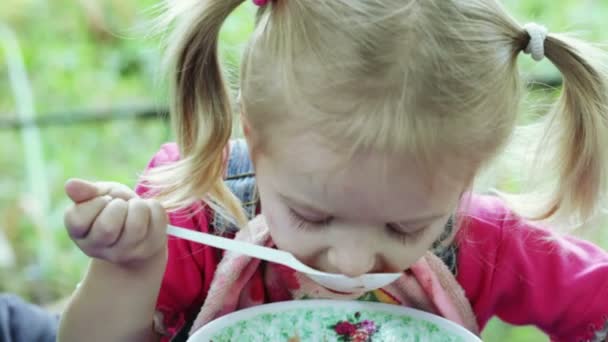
258 252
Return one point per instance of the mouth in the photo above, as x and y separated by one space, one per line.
358 289
347 285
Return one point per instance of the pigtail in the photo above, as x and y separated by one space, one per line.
577 130
201 110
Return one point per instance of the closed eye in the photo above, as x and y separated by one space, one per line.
306 222
403 234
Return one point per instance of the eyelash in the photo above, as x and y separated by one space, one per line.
304 224
404 238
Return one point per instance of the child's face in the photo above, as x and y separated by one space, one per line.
372 214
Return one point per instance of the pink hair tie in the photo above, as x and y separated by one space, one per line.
261 2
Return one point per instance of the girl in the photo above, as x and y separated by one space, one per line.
367 123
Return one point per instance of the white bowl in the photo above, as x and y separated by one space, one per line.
317 320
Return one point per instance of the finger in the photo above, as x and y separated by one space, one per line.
136 224
80 190
158 217
108 226
156 235
117 190
159 221
79 218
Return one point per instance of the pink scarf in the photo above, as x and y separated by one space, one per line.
428 285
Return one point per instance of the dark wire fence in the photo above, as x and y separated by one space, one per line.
86 117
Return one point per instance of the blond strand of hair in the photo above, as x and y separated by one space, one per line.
578 128
201 111
570 140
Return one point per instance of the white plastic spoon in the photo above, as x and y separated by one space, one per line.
336 282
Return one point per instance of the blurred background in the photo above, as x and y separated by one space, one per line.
80 96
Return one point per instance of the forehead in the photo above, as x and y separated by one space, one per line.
369 186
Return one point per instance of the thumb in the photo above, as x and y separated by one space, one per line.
80 190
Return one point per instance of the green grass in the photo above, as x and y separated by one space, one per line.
71 65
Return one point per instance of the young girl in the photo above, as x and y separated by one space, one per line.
367 123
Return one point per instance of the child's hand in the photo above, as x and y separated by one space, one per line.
109 221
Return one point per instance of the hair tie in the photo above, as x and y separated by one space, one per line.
261 3
536 45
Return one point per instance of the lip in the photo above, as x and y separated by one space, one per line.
366 282
320 265
383 270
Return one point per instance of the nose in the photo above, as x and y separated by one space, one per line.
351 262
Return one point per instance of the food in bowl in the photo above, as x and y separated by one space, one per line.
328 320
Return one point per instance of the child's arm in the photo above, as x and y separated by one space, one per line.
187 277
126 237
114 303
527 275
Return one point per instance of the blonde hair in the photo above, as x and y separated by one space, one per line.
434 79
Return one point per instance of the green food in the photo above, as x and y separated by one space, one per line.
308 324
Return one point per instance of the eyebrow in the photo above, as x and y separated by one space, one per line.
427 218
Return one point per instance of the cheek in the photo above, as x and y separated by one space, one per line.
290 239
400 257
278 226
304 245
273 214
278 221
433 233
270 206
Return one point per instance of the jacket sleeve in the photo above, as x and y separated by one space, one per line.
527 275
